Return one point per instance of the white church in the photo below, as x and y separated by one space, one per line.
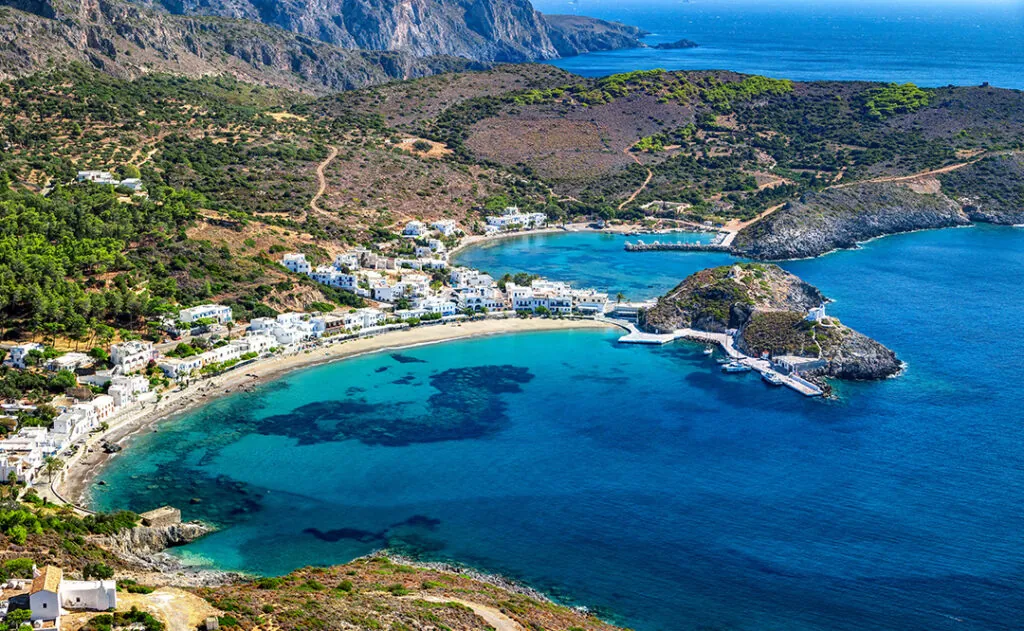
51 595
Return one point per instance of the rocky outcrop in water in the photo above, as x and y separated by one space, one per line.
768 307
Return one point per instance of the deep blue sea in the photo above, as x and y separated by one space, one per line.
642 482
931 43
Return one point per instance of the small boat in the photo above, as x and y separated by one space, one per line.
724 360
735 367
772 377
708 350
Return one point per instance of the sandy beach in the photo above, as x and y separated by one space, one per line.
74 480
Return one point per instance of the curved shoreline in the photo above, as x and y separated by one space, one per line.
74 481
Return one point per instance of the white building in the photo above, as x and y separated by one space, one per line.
69 361
17 354
329 275
414 229
446 227
589 301
175 367
50 593
220 313
131 356
98 177
363 318
816 314
23 462
462 277
480 298
348 260
132 183
296 262
82 418
256 343
286 328
553 296
512 219
125 389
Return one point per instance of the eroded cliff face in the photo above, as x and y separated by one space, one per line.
842 217
481 30
129 40
141 542
768 308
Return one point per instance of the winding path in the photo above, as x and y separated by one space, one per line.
647 181
497 620
323 180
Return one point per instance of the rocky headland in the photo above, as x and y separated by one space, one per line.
768 307
990 190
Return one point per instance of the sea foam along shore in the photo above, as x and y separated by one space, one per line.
73 482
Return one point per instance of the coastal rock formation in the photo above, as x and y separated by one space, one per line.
141 542
481 30
314 47
990 190
768 307
842 217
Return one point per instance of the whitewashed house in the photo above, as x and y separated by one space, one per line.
125 390
512 219
131 356
446 227
480 298
414 229
175 367
17 354
296 262
220 313
348 260
462 277
69 361
50 593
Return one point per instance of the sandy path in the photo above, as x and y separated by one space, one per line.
647 180
322 179
74 481
497 620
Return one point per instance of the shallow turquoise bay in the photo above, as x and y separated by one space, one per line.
642 482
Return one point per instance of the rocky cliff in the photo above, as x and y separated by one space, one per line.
128 40
142 542
988 190
481 30
768 308
309 46
842 217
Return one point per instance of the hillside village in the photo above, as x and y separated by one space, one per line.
200 340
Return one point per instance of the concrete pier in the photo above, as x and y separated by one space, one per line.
725 341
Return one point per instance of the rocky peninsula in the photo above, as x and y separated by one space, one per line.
989 190
768 307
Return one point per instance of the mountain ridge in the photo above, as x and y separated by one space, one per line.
131 39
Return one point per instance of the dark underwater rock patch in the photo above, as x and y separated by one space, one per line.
406 359
467 404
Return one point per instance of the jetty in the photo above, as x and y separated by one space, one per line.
721 243
791 380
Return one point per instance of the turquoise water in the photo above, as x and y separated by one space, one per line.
640 481
929 43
